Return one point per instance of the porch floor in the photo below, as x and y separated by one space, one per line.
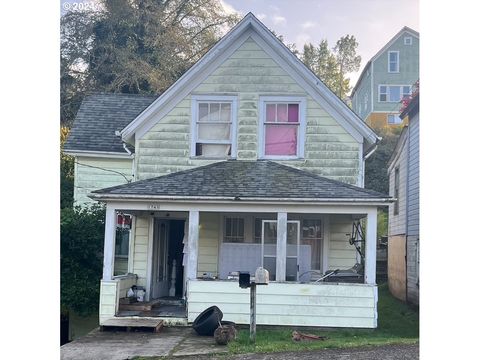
163 307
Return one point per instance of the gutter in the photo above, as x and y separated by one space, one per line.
236 199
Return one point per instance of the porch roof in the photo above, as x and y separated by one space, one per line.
242 180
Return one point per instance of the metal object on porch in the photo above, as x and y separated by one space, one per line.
357 237
207 322
352 275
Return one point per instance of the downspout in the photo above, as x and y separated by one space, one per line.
132 155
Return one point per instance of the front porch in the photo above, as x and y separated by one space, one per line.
297 246
193 230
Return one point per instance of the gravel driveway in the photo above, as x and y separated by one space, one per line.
388 352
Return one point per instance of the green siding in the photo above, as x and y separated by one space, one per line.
341 255
140 249
408 74
362 94
98 173
249 73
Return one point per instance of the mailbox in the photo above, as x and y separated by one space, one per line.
261 276
244 279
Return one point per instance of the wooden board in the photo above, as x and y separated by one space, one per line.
139 306
131 323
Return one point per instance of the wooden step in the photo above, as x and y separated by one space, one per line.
129 324
137 306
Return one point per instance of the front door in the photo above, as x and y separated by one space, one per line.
160 259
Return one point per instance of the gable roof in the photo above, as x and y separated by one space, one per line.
381 51
241 180
99 117
250 26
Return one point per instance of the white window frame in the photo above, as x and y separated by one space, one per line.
398 62
302 106
399 121
388 92
193 125
409 42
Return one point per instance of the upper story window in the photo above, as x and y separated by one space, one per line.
213 126
393 61
282 127
393 93
407 40
394 119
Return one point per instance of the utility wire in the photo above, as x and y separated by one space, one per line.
110 170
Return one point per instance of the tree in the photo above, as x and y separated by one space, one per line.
81 258
376 176
135 46
348 61
331 66
66 173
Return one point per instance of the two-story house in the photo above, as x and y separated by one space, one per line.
386 79
247 161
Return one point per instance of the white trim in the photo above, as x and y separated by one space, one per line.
302 127
101 154
206 199
233 100
248 27
361 171
281 260
408 38
388 95
109 242
371 247
346 118
240 206
398 62
326 242
192 244
148 287
131 245
188 81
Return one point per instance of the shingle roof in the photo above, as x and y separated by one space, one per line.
99 116
241 179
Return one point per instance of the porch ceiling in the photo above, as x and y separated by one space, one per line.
242 180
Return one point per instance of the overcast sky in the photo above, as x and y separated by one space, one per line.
373 22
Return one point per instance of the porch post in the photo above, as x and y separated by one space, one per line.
193 224
109 243
281 246
371 247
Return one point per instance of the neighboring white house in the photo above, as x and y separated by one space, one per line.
248 160
404 213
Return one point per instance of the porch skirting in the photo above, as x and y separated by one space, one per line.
322 304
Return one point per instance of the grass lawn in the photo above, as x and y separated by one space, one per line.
397 324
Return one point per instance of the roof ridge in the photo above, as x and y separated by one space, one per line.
102 93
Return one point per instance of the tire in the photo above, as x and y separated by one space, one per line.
207 322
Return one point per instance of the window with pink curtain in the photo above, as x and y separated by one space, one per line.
281 129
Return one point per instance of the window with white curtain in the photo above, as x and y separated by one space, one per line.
213 126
